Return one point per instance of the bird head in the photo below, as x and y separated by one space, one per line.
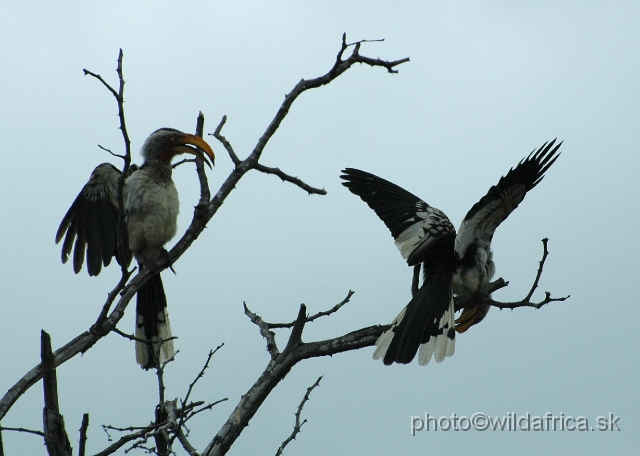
166 143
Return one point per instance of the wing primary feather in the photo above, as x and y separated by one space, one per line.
89 226
487 214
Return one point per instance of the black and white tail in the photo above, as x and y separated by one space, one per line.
152 324
425 326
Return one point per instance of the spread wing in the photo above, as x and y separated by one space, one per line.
501 199
413 223
90 224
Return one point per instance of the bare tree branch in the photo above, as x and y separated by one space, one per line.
55 435
298 424
83 434
142 433
119 96
19 429
185 443
278 367
227 145
485 296
294 180
265 332
112 153
326 313
205 193
193 383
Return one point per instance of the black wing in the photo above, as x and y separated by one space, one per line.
501 199
413 223
91 223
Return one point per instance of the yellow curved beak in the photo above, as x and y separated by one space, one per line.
199 149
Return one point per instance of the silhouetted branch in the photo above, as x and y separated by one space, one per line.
19 429
119 96
141 433
112 153
265 332
83 434
193 383
55 436
205 193
485 296
294 180
227 145
279 366
334 309
298 424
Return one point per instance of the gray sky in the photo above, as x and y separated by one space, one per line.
487 83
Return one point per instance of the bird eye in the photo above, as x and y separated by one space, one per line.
172 138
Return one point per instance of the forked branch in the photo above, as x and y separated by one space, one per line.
485 296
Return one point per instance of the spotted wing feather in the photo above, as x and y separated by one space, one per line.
413 223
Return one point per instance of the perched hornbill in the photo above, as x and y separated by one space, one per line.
151 210
452 264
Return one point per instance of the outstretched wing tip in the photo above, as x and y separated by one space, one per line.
89 226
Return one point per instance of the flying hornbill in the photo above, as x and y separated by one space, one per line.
459 264
151 210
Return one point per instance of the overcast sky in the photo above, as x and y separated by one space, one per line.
487 83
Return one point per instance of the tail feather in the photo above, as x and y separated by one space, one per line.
152 324
426 324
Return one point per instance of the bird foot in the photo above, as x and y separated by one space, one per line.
164 254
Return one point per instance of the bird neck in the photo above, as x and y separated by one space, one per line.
159 170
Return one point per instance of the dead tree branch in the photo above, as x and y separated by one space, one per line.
185 401
19 429
485 296
55 435
119 96
83 434
325 313
298 424
279 366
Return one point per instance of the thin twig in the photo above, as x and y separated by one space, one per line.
204 408
294 180
112 153
536 305
195 380
227 145
185 443
545 254
124 440
186 160
325 313
19 429
298 424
